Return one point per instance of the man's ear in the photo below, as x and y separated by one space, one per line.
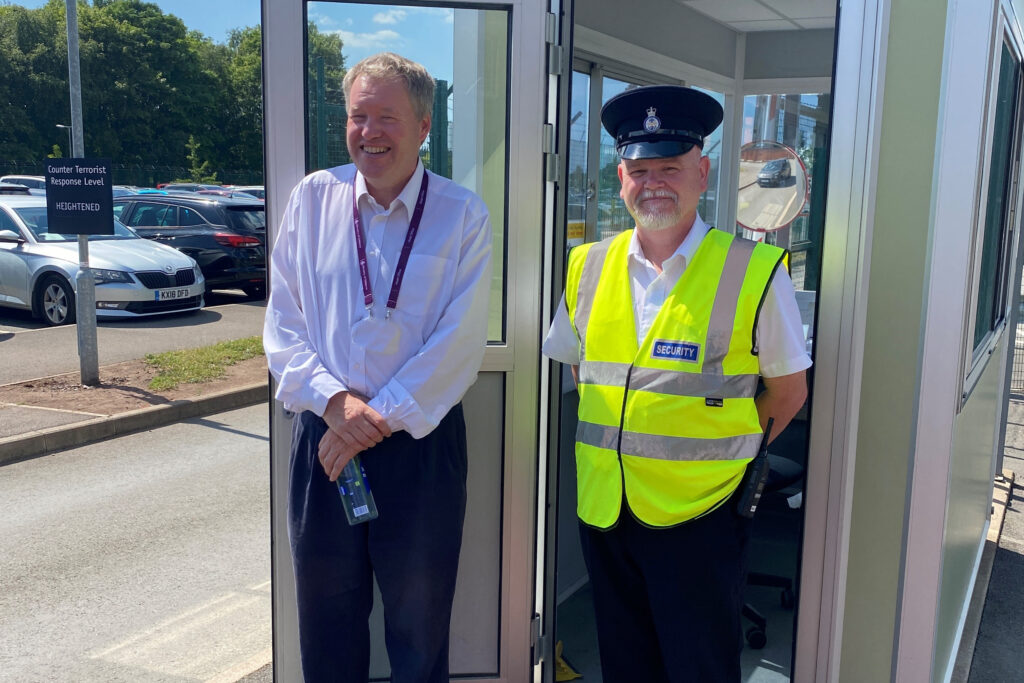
424 128
620 171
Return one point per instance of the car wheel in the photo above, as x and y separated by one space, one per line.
256 292
55 301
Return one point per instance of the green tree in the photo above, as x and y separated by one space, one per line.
199 171
148 84
245 80
33 89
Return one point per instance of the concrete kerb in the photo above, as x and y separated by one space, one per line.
53 439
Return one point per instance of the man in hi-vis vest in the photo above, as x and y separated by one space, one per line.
668 327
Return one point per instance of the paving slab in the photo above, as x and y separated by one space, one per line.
15 419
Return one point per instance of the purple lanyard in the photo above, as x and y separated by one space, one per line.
410 236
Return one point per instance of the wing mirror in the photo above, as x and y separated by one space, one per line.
11 236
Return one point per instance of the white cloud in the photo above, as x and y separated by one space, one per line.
320 19
392 16
378 40
447 14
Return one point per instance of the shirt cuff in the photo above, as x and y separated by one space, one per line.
400 410
323 386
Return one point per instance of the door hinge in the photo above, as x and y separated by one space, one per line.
552 161
554 49
554 60
551 28
538 642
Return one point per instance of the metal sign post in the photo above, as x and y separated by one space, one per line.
85 286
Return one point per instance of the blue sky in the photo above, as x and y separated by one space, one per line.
420 33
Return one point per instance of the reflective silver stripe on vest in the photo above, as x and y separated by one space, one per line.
683 448
590 275
723 311
598 436
604 372
676 448
691 383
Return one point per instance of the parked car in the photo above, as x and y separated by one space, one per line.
188 187
255 190
134 277
224 192
12 188
774 173
35 183
227 237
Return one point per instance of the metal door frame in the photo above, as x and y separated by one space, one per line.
517 358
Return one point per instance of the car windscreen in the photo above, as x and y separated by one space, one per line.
247 218
34 218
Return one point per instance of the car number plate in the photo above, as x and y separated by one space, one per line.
166 294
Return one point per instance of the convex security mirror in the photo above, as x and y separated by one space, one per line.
773 186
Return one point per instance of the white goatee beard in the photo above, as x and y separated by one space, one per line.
655 221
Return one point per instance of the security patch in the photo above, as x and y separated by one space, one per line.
672 350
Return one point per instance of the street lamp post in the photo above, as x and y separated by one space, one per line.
69 151
85 285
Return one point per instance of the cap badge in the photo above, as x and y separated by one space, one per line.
652 123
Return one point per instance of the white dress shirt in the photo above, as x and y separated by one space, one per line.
781 345
320 339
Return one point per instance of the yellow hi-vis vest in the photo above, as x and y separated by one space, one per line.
672 424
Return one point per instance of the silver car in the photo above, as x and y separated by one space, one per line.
134 276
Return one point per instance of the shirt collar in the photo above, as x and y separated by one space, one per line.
407 196
686 249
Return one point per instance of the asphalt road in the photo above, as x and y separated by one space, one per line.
142 558
31 350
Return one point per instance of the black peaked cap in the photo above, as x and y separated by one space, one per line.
660 120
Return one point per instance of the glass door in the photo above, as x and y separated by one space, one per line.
490 141
612 61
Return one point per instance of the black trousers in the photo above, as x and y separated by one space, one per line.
668 601
412 549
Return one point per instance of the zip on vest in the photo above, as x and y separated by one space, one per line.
618 446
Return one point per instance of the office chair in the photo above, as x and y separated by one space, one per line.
782 473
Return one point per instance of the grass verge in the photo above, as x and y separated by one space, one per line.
194 366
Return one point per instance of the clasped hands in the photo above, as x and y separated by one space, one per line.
353 426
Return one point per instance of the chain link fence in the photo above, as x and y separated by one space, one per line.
1017 375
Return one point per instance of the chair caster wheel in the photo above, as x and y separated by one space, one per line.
786 599
756 638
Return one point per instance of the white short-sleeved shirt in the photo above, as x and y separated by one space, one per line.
781 342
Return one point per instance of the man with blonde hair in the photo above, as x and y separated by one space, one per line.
376 326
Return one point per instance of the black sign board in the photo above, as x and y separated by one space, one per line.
79 197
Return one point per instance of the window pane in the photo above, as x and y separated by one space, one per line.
785 156
189 217
466 51
612 217
708 206
996 238
581 189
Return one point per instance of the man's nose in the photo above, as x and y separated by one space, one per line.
371 128
653 179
